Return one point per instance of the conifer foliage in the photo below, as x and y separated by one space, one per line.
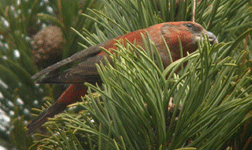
205 104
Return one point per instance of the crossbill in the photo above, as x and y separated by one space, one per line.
85 71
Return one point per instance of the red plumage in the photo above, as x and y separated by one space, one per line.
85 71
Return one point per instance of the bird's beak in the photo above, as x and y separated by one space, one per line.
212 38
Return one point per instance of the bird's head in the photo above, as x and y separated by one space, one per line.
188 32
198 31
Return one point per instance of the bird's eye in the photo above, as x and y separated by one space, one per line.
189 25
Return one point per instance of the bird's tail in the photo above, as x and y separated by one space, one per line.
43 117
72 93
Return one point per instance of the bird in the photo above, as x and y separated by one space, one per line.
85 70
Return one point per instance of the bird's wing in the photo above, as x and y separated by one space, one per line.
88 57
84 71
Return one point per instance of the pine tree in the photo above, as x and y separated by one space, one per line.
211 95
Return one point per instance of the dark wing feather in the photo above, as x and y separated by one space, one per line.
82 55
84 71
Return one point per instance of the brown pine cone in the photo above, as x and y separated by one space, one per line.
47 46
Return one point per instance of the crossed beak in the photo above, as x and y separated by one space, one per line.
212 38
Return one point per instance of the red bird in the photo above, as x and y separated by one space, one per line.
85 71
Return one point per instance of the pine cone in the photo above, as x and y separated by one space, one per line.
47 46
